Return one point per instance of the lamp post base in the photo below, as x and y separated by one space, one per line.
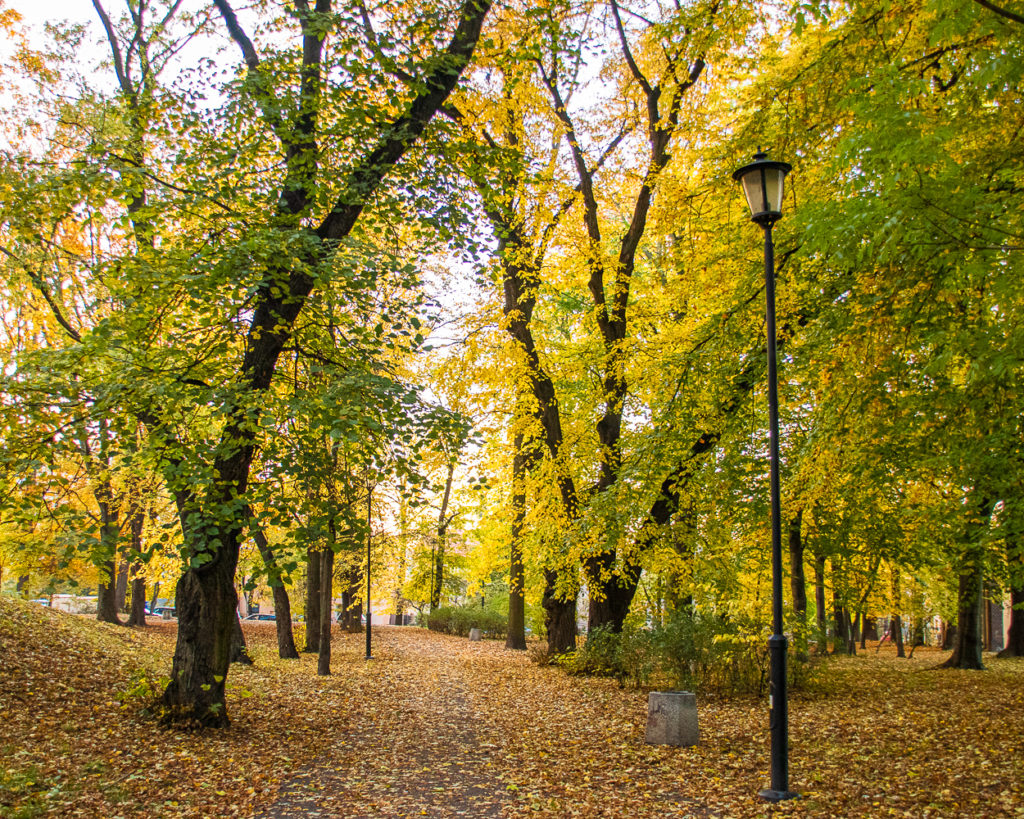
777 796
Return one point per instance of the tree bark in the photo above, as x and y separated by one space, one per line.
352 600
137 612
206 601
819 602
798 582
560 616
239 650
106 603
312 601
1015 560
437 573
516 637
323 661
282 604
969 635
121 586
137 616
968 641
1015 638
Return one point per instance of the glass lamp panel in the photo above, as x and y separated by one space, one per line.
753 191
773 182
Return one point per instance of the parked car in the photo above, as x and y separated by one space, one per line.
165 611
42 601
259 618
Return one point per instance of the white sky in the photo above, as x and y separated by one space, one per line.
35 13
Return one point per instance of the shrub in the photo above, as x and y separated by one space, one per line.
708 654
459 620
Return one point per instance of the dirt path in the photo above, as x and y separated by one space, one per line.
408 741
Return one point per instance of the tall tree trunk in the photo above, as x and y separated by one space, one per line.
106 603
516 638
137 612
968 642
1015 560
323 661
137 616
239 650
1015 639
156 595
206 595
121 586
560 616
798 582
969 637
282 604
851 633
352 600
443 520
896 623
206 604
819 601
313 562
842 639
398 604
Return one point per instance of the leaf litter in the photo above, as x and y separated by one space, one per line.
440 726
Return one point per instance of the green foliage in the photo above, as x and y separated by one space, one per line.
459 620
705 654
143 690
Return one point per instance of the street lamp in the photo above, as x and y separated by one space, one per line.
369 510
762 182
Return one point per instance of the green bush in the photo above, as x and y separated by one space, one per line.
702 653
459 620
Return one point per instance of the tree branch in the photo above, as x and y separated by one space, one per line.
1009 15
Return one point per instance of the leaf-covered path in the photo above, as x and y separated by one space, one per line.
407 743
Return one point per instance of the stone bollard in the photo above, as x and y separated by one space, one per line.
474 634
672 718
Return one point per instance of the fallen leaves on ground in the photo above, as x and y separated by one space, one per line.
440 726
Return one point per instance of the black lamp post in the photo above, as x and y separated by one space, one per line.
762 182
369 508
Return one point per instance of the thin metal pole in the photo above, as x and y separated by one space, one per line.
369 616
777 643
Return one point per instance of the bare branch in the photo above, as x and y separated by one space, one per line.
236 32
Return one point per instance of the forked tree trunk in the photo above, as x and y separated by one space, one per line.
516 638
312 601
437 572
